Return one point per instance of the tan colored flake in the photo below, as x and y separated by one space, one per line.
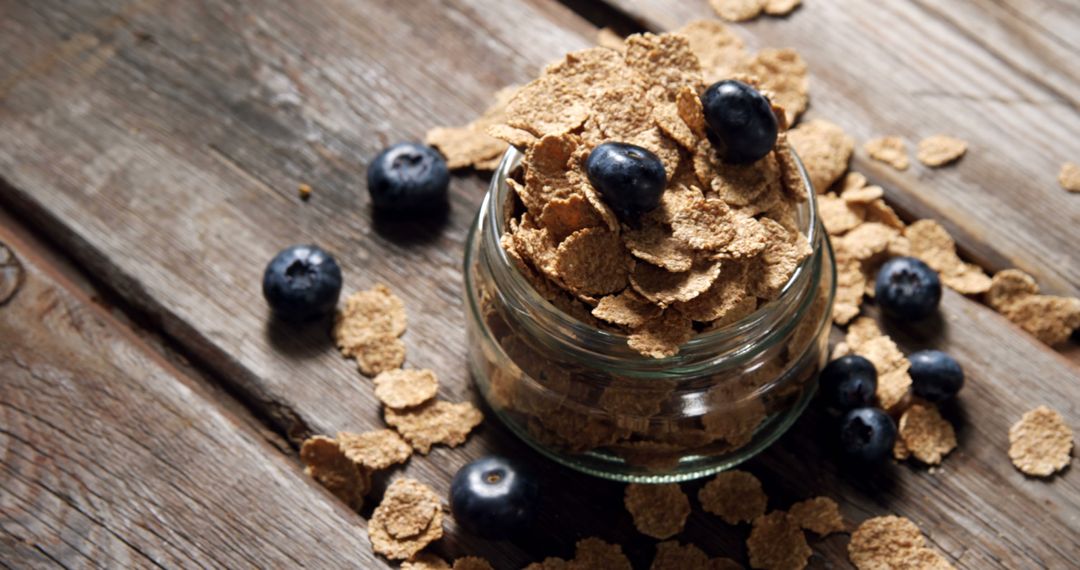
784 74
853 181
865 339
374 450
1049 318
850 285
820 515
409 518
900 451
595 553
464 146
688 105
781 7
664 287
777 543
662 336
862 331
884 542
841 349
704 224
867 240
751 238
434 422
606 37
718 48
671 124
366 315
863 195
666 149
383 353
472 563
825 151
927 436
743 185
671 555
940 150
653 242
735 496
879 211
1041 443
564 216
1008 287
659 511
926 559
425 561
783 254
626 308
405 388
592 261
838 215
890 150
325 462
538 248
673 201
933 245
519 138
727 295
738 10
665 62
622 111
1069 176
792 182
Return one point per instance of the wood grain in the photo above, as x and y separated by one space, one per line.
998 75
113 458
185 128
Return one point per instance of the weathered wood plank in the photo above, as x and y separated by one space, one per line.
177 181
1000 76
113 458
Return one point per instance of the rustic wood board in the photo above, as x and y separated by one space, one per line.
112 458
177 180
1003 78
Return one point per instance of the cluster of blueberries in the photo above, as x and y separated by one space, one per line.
906 289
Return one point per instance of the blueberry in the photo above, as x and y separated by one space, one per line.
630 178
849 382
907 288
408 176
742 125
935 376
302 282
492 498
867 434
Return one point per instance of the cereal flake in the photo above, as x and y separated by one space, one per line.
661 337
595 553
409 518
735 496
820 515
825 151
405 388
781 7
374 450
659 511
777 543
425 561
939 150
931 243
890 150
434 422
892 542
738 10
383 353
1069 176
368 315
472 563
718 49
1040 443
627 309
665 287
784 74
592 261
927 436
325 462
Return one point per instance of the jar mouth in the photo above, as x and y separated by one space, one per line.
736 334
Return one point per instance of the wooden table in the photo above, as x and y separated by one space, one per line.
150 153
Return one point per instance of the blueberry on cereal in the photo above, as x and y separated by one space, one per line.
867 434
628 177
742 125
302 282
935 376
908 289
408 176
493 498
849 382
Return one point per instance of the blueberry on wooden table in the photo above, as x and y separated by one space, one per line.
493 498
867 434
628 177
408 176
935 376
302 282
741 122
907 289
849 382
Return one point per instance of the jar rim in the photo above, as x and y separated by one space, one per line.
491 216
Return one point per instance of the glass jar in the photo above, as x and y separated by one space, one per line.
581 396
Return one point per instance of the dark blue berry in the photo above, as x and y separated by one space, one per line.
907 288
492 498
849 382
867 434
629 178
408 176
302 282
935 376
742 125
